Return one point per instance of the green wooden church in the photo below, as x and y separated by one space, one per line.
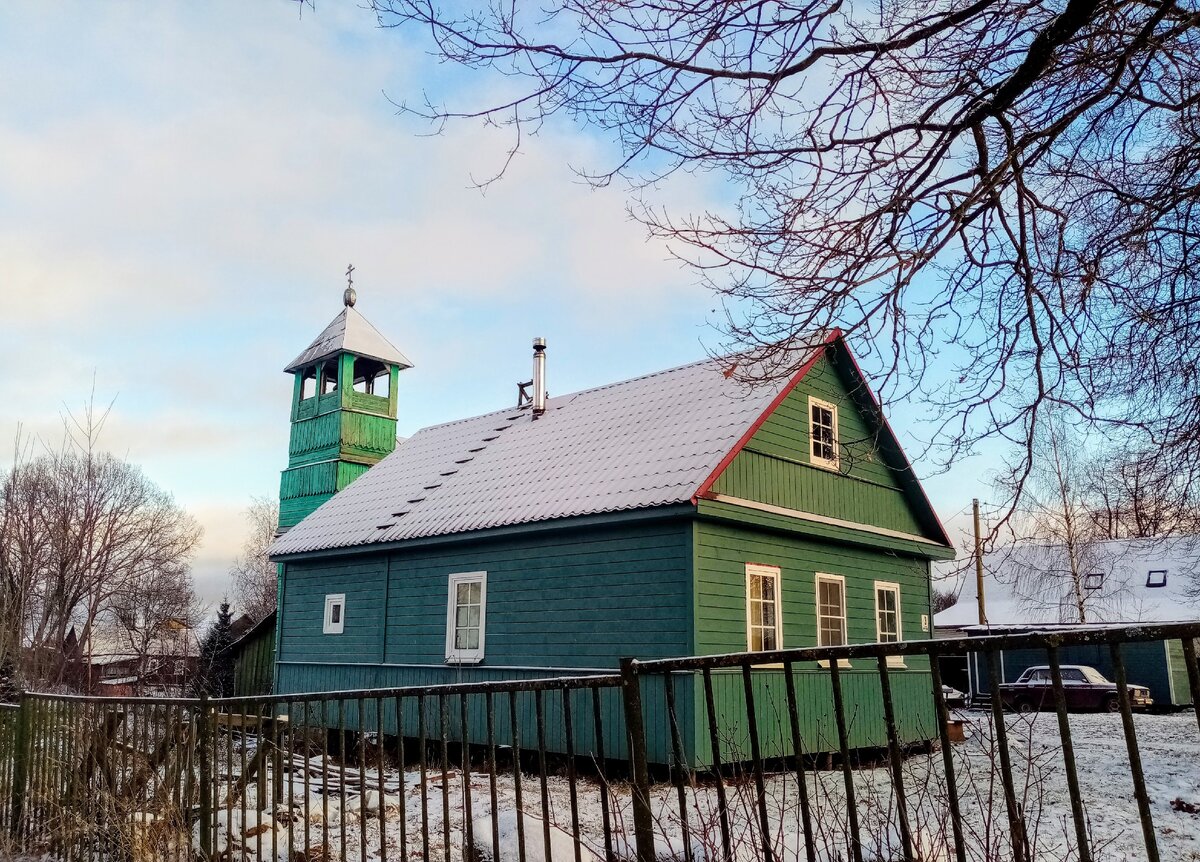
680 513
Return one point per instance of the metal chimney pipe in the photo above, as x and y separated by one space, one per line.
539 377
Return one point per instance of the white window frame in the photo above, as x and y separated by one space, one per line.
893 588
841 581
760 570
453 654
330 627
833 463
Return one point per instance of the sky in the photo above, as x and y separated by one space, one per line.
183 185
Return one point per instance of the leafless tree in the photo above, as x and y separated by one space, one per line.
1001 192
1140 495
79 527
255 577
1054 516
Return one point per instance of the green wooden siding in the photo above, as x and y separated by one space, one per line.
723 549
768 479
583 601
911 695
254 663
363 580
785 433
874 484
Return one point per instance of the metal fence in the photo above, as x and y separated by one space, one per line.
815 754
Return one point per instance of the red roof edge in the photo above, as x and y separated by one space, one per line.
705 488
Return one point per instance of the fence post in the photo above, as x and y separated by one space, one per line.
20 761
643 818
205 779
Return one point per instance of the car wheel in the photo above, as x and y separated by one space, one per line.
1111 704
1025 706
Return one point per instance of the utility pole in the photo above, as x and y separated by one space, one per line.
979 565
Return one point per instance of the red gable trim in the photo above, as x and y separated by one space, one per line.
705 489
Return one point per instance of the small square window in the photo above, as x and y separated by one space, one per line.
1093 581
335 614
1157 578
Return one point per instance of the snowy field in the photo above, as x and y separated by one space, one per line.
337 823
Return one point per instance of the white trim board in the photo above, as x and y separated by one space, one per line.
822 519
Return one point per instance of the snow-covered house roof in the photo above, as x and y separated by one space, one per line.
650 441
1123 581
350 332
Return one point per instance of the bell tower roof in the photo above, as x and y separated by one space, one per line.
350 332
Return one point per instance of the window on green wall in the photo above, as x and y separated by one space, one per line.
763 610
831 610
887 617
823 433
466 616
335 614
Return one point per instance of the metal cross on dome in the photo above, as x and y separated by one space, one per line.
349 297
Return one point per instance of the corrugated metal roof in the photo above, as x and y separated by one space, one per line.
650 441
350 332
1030 584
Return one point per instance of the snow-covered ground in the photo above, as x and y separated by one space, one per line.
334 825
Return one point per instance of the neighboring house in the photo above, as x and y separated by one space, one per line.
1029 587
119 665
679 513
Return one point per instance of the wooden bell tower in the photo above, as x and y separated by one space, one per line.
343 411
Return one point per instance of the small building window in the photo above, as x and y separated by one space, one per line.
466 617
1093 581
823 428
308 382
329 377
831 610
1157 578
371 377
763 609
335 614
887 617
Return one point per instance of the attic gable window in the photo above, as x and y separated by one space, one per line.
1156 578
764 615
823 433
466 617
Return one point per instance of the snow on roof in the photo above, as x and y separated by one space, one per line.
1027 584
350 332
650 441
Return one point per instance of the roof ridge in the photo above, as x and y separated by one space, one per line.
576 394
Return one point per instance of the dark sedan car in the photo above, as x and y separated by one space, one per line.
1083 687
